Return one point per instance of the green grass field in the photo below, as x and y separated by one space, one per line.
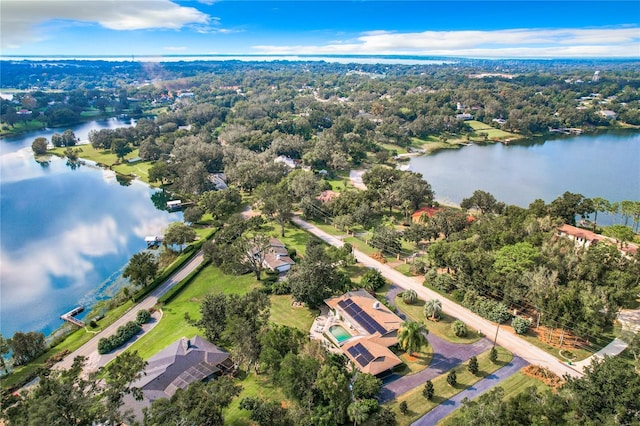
419 405
512 386
493 133
173 324
441 328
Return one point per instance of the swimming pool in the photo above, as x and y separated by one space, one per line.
339 333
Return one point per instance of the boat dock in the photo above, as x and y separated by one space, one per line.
70 316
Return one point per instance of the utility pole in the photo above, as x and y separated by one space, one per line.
495 339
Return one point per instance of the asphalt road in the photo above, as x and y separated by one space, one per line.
90 349
452 404
512 342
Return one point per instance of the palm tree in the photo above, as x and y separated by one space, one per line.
410 297
433 308
412 336
599 205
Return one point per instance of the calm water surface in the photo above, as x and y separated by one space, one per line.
65 234
606 165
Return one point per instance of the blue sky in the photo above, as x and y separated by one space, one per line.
448 28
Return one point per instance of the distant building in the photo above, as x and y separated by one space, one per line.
608 114
328 195
287 161
423 213
465 116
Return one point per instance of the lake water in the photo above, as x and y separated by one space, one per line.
65 234
605 165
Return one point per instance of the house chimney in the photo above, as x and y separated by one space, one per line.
376 305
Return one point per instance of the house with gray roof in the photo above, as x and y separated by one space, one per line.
177 366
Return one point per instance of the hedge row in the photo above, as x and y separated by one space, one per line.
184 257
176 289
122 336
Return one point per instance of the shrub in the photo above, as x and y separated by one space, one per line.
428 390
458 295
459 328
410 297
520 325
122 335
143 316
372 280
93 323
493 355
473 365
404 408
452 378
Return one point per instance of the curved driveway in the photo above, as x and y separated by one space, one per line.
511 342
90 349
452 404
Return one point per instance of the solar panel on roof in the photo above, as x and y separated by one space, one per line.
353 351
342 304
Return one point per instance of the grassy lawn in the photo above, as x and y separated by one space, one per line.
284 314
139 169
20 127
339 182
294 237
419 406
173 325
512 386
494 134
100 156
252 385
416 361
441 328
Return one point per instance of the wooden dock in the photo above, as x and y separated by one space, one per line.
70 316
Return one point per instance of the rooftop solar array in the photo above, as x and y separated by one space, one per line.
361 317
360 354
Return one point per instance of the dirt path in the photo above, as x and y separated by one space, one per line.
506 339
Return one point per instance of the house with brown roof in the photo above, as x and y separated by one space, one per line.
175 367
277 257
372 330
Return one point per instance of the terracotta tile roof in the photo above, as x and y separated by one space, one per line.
580 233
370 357
428 211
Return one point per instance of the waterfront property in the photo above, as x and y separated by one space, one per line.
364 329
178 365
585 238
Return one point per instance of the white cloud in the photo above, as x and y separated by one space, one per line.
567 42
65 256
22 20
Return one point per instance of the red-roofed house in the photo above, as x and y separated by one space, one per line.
420 215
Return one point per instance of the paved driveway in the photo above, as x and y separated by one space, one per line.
446 355
452 404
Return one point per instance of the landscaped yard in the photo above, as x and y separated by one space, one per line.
173 325
512 386
493 133
419 405
441 328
